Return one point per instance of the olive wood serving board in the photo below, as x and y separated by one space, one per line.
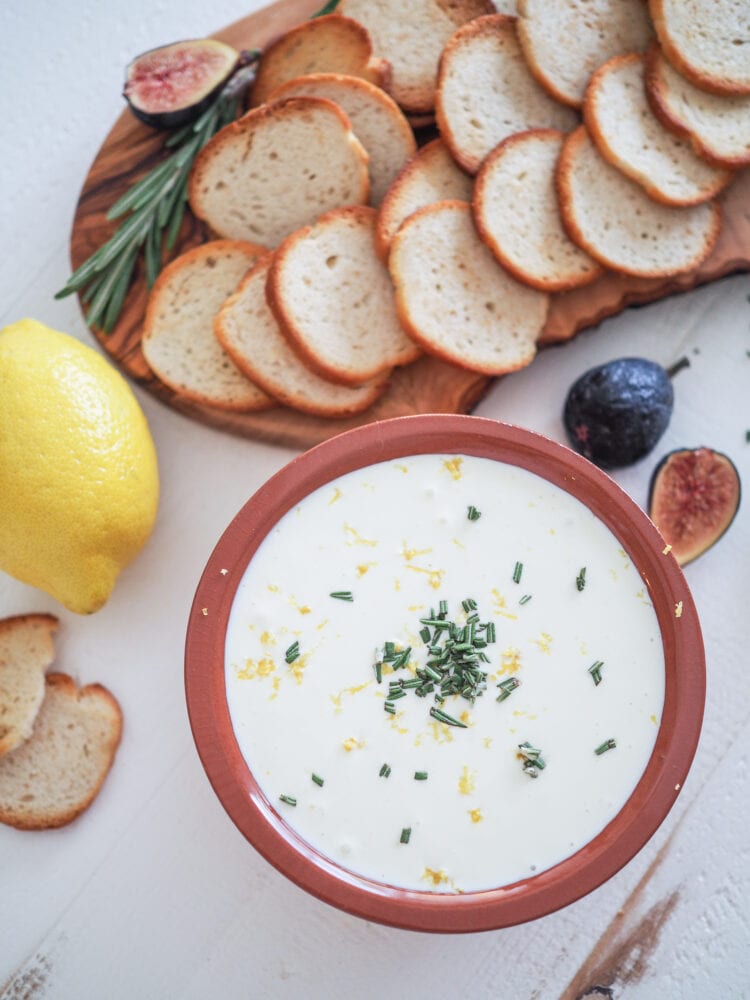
426 386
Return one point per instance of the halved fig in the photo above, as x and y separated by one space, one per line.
695 493
172 85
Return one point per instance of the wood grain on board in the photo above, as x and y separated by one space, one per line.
428 385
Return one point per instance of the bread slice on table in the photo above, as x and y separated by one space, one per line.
565 41
278 168
58 771
629 135
718 126
334 300
454 298
486 91
412 36
328 44
432 175
517 215
178 339
26 650
613 219
707 41
376 119
248 331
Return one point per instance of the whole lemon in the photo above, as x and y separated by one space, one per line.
79 484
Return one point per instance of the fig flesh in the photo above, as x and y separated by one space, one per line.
172 85
694 496
615 413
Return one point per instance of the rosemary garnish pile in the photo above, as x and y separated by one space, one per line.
455 653
154 207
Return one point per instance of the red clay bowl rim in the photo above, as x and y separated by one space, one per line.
257 818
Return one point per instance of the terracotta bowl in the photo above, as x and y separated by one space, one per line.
257 818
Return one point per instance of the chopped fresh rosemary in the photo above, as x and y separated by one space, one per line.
473 514
596 671
533 762
525 599
385 771
318 780
290 800
581 579
507 687
405 834
517 571
342 595
292 653
154 207
420 775
454 660
441 716
609 744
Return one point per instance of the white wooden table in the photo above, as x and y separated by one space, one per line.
153 893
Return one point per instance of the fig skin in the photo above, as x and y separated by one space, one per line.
615 413
172 85
693 499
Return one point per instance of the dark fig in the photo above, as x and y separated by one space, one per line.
172 85
695 493
615 413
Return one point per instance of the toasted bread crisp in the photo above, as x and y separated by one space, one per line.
248 331
613 219
455 300
718 126
432 175
631 137
278 168
178 336
328 44
707 41
26 650
376 119
486 92
333 299
517 215
56 774
412 36
565 41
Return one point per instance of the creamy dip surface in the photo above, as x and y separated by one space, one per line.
400 537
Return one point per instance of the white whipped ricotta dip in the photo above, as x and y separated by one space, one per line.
343 750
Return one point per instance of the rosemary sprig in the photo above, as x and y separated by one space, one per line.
154 208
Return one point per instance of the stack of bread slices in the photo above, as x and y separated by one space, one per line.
57 741
572 139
